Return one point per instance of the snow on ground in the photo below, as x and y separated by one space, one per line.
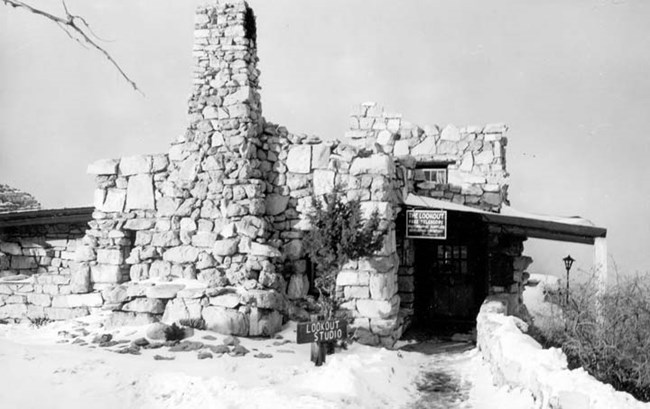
43 369
545 314
483 394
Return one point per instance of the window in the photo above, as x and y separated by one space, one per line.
435 175
451 259
432 173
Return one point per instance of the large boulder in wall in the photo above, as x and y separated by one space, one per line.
264 323
225 320
183 309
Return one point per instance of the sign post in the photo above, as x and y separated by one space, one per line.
426 224
320 333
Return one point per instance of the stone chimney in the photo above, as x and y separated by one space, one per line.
214 167
225 97
199 211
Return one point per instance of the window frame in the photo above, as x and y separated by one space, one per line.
430 172
428 169
452 259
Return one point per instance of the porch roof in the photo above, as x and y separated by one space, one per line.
512 221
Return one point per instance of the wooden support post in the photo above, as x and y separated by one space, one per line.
603 279
600 263
322 335
318 353
318 349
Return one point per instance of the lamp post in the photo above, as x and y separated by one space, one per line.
568 262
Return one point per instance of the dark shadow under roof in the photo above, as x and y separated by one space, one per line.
46 216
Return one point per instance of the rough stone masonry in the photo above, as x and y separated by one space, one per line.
213 229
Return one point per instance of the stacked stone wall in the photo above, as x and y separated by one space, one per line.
295 168
298 167
406 278
35 273
474 156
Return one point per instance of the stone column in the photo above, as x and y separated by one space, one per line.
507 274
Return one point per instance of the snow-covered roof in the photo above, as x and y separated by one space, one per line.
572 229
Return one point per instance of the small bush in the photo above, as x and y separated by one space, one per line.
196 323
174 333
39 321
608 333
338 234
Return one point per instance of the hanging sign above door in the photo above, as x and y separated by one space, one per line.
426 224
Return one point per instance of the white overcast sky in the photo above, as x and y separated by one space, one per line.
570 78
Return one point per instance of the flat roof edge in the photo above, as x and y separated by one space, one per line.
548 227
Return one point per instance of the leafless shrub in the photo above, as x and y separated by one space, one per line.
174 333
606 332
39 321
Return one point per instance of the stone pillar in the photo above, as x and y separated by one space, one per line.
507 274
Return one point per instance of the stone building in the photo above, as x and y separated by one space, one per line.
213 228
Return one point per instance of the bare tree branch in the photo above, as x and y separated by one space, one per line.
90 30
65 7
79 32
62 27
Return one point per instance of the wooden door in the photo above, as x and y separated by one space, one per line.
451 274
449 280
452 281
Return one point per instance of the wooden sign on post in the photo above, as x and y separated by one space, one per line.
319 333
322 331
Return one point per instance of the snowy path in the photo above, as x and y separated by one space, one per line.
455 377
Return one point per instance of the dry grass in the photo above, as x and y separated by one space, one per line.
608 333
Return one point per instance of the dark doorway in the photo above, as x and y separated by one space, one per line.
450 276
